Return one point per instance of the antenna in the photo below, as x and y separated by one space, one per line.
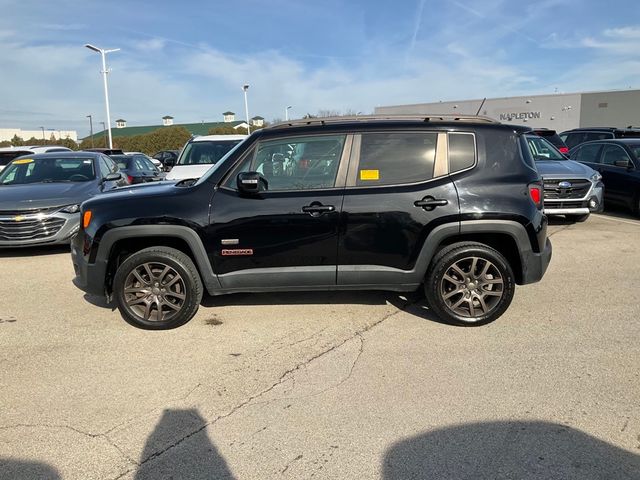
481 105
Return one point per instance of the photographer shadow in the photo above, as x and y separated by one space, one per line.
509 450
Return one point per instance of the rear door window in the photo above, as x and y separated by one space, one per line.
396 158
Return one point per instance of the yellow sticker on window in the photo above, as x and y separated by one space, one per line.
23 161
369 174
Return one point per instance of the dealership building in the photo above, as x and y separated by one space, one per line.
558 111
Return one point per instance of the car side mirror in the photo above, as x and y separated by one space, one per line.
113 177
251 183
622 163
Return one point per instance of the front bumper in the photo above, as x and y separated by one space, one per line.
89 277
534 265
593 202
38 229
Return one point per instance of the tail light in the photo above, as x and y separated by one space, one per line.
564 150
536 193
130 178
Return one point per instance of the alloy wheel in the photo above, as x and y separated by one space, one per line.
154 292
472 287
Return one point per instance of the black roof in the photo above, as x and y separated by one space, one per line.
623 141
392 121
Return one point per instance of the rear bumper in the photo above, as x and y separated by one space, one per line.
534 265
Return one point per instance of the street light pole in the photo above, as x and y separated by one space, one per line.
42 128
91 128
104 72
245 87
286 113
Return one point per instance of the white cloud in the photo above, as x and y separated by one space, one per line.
152 44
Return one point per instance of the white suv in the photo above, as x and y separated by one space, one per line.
200 154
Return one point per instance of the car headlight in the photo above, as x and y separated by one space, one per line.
71 209
596 177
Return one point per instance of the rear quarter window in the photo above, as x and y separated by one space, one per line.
462 151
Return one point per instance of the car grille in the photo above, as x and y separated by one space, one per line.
566 204
578 189
25 212
29 228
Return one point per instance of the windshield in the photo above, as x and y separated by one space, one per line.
47 170
123 161
206 152
209 172
541 149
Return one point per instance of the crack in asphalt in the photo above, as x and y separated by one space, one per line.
281 379
73 429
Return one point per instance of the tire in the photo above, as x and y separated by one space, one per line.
157 288
461 298
578 218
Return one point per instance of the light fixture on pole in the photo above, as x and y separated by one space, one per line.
90 128
104 72
286 113
245 87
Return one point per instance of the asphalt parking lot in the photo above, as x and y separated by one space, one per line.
329 385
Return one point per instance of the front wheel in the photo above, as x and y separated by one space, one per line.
157 288
469 284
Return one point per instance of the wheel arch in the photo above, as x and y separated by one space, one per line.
506 236
121 242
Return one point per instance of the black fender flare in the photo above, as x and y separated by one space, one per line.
188 235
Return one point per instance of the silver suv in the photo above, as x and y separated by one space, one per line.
570 188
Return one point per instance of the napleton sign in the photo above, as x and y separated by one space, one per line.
519 116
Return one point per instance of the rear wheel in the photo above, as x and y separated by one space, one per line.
157 288
469 284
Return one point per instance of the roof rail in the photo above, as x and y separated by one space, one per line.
368 118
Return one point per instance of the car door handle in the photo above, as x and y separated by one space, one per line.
429 203
316 209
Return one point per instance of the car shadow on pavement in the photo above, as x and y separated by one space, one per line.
411 302
509 450
34 251
179 447
27 470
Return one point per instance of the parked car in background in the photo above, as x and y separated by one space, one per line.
570 188
138 168
200 154
446 204
156 162
9 153
40 195
553 137
167 158
581 135
618 161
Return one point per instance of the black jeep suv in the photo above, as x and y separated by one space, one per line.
452 205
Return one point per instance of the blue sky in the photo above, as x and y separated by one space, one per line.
189 59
